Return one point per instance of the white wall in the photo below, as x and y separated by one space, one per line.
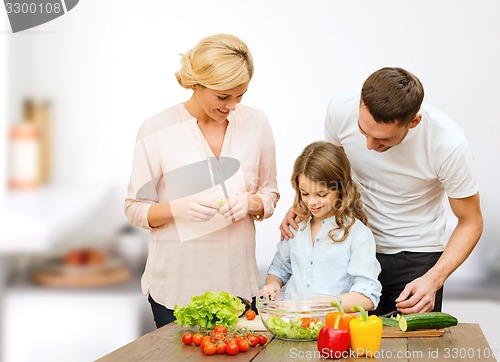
108 65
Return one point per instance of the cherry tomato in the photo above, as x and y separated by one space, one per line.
232 348
250 314
217 336
220 348
262 339
220 329
305 322
187 338
209 349
252 340
197 337
243 345
205 340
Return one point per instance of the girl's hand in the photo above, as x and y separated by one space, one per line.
270 291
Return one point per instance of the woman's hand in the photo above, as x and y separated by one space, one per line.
194 209
235 209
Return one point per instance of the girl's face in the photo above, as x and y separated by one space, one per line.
217 104
317 197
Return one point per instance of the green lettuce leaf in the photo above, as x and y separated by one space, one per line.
210 310
293 329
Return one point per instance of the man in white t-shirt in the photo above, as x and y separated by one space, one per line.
410 159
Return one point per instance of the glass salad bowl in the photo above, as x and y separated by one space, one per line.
296 316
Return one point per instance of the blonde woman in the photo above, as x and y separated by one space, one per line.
203 172
333 252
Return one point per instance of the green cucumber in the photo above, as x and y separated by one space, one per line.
389 322
430 320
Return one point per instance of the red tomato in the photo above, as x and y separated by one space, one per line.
220 329
221 348
252 340
205 340
209 349
216 336
197 337
187 338
243 345
250 314
232 348
262 339
305 322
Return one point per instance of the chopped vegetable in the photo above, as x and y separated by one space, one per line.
389 322
209 310
293 329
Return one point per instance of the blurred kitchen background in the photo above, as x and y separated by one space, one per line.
74 92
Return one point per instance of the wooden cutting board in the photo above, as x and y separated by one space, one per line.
254 325
395 332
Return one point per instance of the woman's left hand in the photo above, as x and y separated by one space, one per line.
236 208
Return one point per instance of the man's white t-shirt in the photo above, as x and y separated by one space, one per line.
405 188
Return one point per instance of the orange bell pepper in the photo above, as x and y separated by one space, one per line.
345 318
366 333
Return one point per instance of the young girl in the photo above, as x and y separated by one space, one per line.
333 252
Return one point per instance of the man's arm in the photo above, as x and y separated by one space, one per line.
462 241
288 221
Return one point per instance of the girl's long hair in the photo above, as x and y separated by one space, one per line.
326 163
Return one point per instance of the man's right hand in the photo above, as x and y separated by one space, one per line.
288 221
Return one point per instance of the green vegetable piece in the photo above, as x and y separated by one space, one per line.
293 329
430 320
389 322
210 310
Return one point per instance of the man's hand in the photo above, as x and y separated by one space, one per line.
288 221
194 209
417 296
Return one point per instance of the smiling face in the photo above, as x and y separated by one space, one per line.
317 197
382 136
216 105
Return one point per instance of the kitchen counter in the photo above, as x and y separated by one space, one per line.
34 220
464 342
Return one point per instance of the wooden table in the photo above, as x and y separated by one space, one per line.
464 342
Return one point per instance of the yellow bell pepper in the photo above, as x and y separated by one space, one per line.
366 333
